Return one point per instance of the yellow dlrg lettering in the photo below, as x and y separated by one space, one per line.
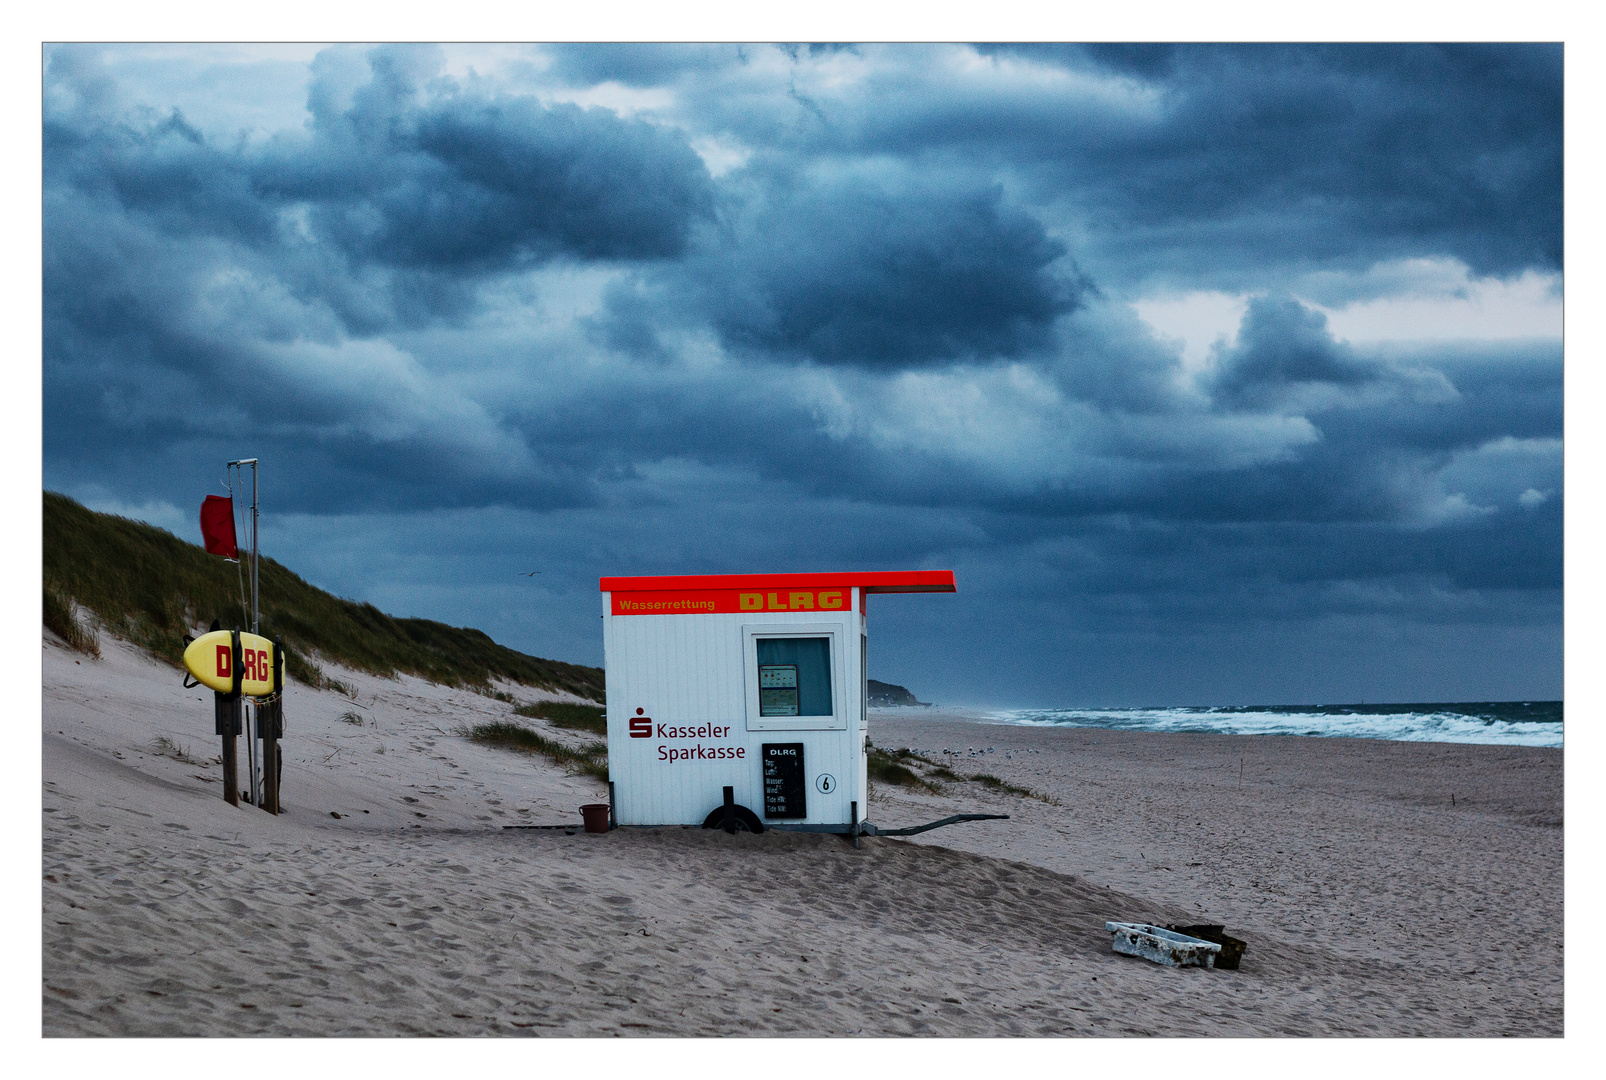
775 603
751 601
800 600
831 600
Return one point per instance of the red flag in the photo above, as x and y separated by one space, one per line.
217 526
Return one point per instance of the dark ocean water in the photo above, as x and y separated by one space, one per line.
1500 723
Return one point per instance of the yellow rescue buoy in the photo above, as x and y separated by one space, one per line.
211 660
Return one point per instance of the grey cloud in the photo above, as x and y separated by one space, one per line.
882 272
156 167
406 190
1282 346
468 183
1207 165
1106 356
639 64
1453 150
1437 278
878 341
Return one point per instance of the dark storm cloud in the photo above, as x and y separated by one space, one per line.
885 329
461 182
1384 428
1283 346
883 272
1272 570
414 183
1382 431
1202 163
1201 166
1341 151
637 64
1360 438
160 168
1206 164
178 272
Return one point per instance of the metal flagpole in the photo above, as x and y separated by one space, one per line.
251 725
255 609
253 721
256 612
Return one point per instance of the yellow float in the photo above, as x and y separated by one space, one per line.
213 659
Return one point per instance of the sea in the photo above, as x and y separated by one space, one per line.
1496 723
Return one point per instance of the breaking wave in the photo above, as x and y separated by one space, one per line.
1497 723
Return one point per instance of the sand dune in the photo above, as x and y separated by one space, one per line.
167 912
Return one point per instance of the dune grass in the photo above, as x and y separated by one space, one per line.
892 767
150 587
988 780
165 747
60 620
898 767
591 759
590 718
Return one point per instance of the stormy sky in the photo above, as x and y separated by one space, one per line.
1217 374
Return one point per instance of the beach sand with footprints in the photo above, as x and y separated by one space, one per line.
389 900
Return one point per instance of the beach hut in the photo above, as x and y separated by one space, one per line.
741 699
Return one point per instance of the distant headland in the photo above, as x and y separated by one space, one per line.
884 694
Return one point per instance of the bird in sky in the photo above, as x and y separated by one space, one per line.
531 573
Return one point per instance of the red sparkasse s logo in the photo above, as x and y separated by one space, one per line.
640 726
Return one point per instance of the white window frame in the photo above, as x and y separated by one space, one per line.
838 720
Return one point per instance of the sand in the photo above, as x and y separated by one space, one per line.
1370 904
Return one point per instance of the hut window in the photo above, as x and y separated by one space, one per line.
794 676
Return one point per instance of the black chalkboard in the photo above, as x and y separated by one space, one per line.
784 790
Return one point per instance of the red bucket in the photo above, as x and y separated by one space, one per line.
596 816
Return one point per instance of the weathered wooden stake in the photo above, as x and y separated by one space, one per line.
269 721
272 723
227 708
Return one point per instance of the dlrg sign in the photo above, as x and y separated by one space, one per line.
210 661
727 601
254 661
830 600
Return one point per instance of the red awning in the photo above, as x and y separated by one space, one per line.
871 581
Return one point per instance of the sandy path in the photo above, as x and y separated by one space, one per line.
167 912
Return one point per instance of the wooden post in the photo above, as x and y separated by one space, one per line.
853 825
729 821
227 708
269 722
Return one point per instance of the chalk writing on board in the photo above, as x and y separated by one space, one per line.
784 788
